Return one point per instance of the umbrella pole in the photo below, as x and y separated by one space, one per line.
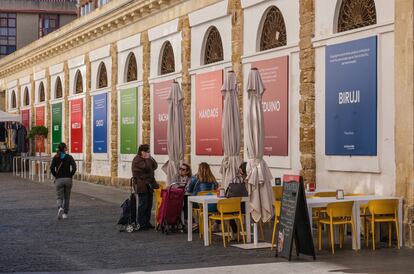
255 234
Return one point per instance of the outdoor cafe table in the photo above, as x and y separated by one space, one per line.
358 201
205 200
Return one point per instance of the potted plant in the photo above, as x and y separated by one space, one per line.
39 134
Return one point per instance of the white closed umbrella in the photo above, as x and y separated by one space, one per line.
175 132
230 129
259 177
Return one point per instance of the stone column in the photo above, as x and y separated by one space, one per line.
114 115
32 100
184 27
404 110
66 103
48 122
307 90
146 109
18 96
88 129
236 11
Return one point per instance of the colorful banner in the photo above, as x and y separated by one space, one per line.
76 125
274 73
56 125
351 98
40 116
160 116
100 123
209 111
26 119
129 120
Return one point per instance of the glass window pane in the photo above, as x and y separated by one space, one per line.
3 31
3 15
3 50
12 32
3 40
12 15
12 41
53 23
3 22
11 49
12 22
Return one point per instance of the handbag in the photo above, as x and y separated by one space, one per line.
236 188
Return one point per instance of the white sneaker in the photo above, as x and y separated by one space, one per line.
64 216
60 213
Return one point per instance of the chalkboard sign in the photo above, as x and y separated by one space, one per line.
294 222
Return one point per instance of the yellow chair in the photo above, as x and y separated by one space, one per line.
339 213
158 200
318 212
228 209
363 209
383 211
198 212
277 192
277 205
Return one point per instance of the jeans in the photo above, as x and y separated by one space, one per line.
63 188
144 209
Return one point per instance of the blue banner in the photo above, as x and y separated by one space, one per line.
351 98
100 125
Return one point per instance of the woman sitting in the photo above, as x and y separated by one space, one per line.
183 179
204 180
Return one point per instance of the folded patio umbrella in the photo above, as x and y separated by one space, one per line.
259 177
230 129
175 132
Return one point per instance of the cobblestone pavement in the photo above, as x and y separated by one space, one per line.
33 240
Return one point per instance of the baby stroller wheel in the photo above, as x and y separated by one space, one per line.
130 228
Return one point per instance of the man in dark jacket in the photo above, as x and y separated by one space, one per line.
143 167
63 168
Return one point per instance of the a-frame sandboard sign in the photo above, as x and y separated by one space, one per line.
294 220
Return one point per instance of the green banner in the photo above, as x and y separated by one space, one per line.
129 123
56 125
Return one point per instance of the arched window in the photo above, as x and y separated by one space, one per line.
58 89
167 59
273 31
26 97
13 99
355 14
213 50
131 72
41 92
78 83
102 76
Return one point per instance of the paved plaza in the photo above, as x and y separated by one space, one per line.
32 240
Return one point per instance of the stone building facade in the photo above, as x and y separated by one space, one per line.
132 48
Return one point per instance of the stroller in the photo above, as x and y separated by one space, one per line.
129 212
169 213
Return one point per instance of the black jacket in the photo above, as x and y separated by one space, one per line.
66 170
143 172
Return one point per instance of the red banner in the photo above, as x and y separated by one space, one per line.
40 116
274 73
209 111
76 132
161 92
26 119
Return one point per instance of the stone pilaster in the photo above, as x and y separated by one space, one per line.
114 115
404 110
48 122
307 90
184 27
146 110
66 103
32 109
88 129
18 96
236 12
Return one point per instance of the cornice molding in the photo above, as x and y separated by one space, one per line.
110 17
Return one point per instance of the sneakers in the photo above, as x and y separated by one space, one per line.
64 216
60 213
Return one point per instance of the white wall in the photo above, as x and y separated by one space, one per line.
359 174
101 162
254 15
125 48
